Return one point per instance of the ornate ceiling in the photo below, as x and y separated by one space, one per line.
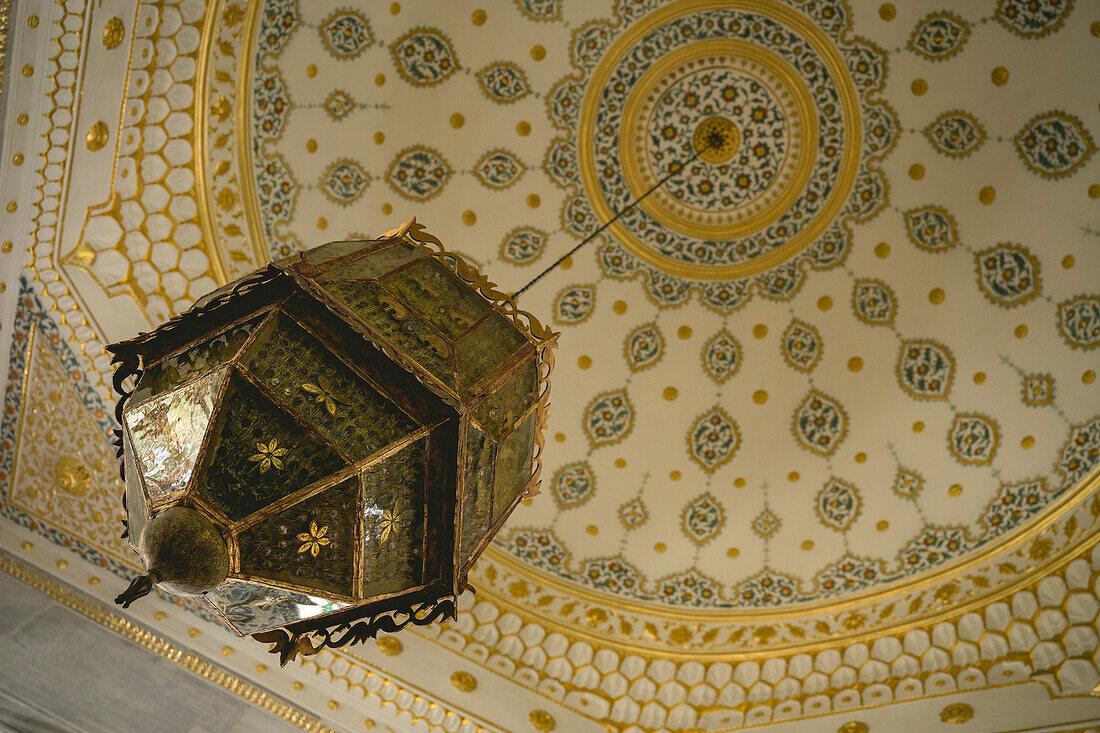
832 383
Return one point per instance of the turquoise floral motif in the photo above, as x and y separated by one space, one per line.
767 588
1079 321
908 483
802 346
837 505
523 245
346 34
925 369
608 418
574 304
418 173
613 575
721 356
973 439
339 104
1081 452
573 484
766 523
934 546
1038 390
713 439
939 36
540 9
344 181
503 82
644 347
820 424
691 589
931 228
1014 505
956 134
560 162
1033 18
498 169
538 547
703 519
633 514
1008 274
276 189
424 57
278 20
873 302
1054 144
850 574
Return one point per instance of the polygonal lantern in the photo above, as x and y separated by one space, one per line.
356 422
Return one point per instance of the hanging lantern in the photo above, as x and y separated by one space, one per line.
321 449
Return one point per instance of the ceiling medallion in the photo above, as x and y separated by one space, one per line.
322 449
783 95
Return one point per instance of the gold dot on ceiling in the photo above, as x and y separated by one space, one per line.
227 651
560 437
987 195
999 76
793 476
955 490
670 393
855 364
660 547
379 80
17 159
566 263
333 705
1027 442
62 564
824 303
1088 377
463 681
192 633
732 552
533 201
674 475
322 223
882 526
759 330
887 11
11 207
457 120
1095 29
916 171
1069 261
395 8
584 362
387 209
160 615
469 218
523 129
297 686
479 17
979 377
261 668
538 53
22 119
739 482
882 250
808 545
861 457
684 332
28 70
853 726
32 21
542 721
592 529
619 307
1094 191
379 138
759 396
97 136
620 463
93 581
311 145
919 87
1021 331
311 71
936 296
918 426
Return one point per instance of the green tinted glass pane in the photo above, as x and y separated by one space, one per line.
513 464
480 352
311 544
253 607
376 264
258 454
477 496
393 522
398 325
163 375
499 411
137 508
323 390
318 256
441 298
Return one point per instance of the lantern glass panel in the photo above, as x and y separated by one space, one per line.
477 497
137 508
252 607
513 469
375 264
445 302
499 411
394 534
479 352
167 432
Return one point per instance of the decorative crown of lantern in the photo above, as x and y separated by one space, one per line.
321 449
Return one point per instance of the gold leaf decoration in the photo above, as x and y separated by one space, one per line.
268 455
314 539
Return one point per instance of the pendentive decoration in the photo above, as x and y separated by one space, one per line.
320 450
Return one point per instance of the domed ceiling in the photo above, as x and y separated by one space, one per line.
838 369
